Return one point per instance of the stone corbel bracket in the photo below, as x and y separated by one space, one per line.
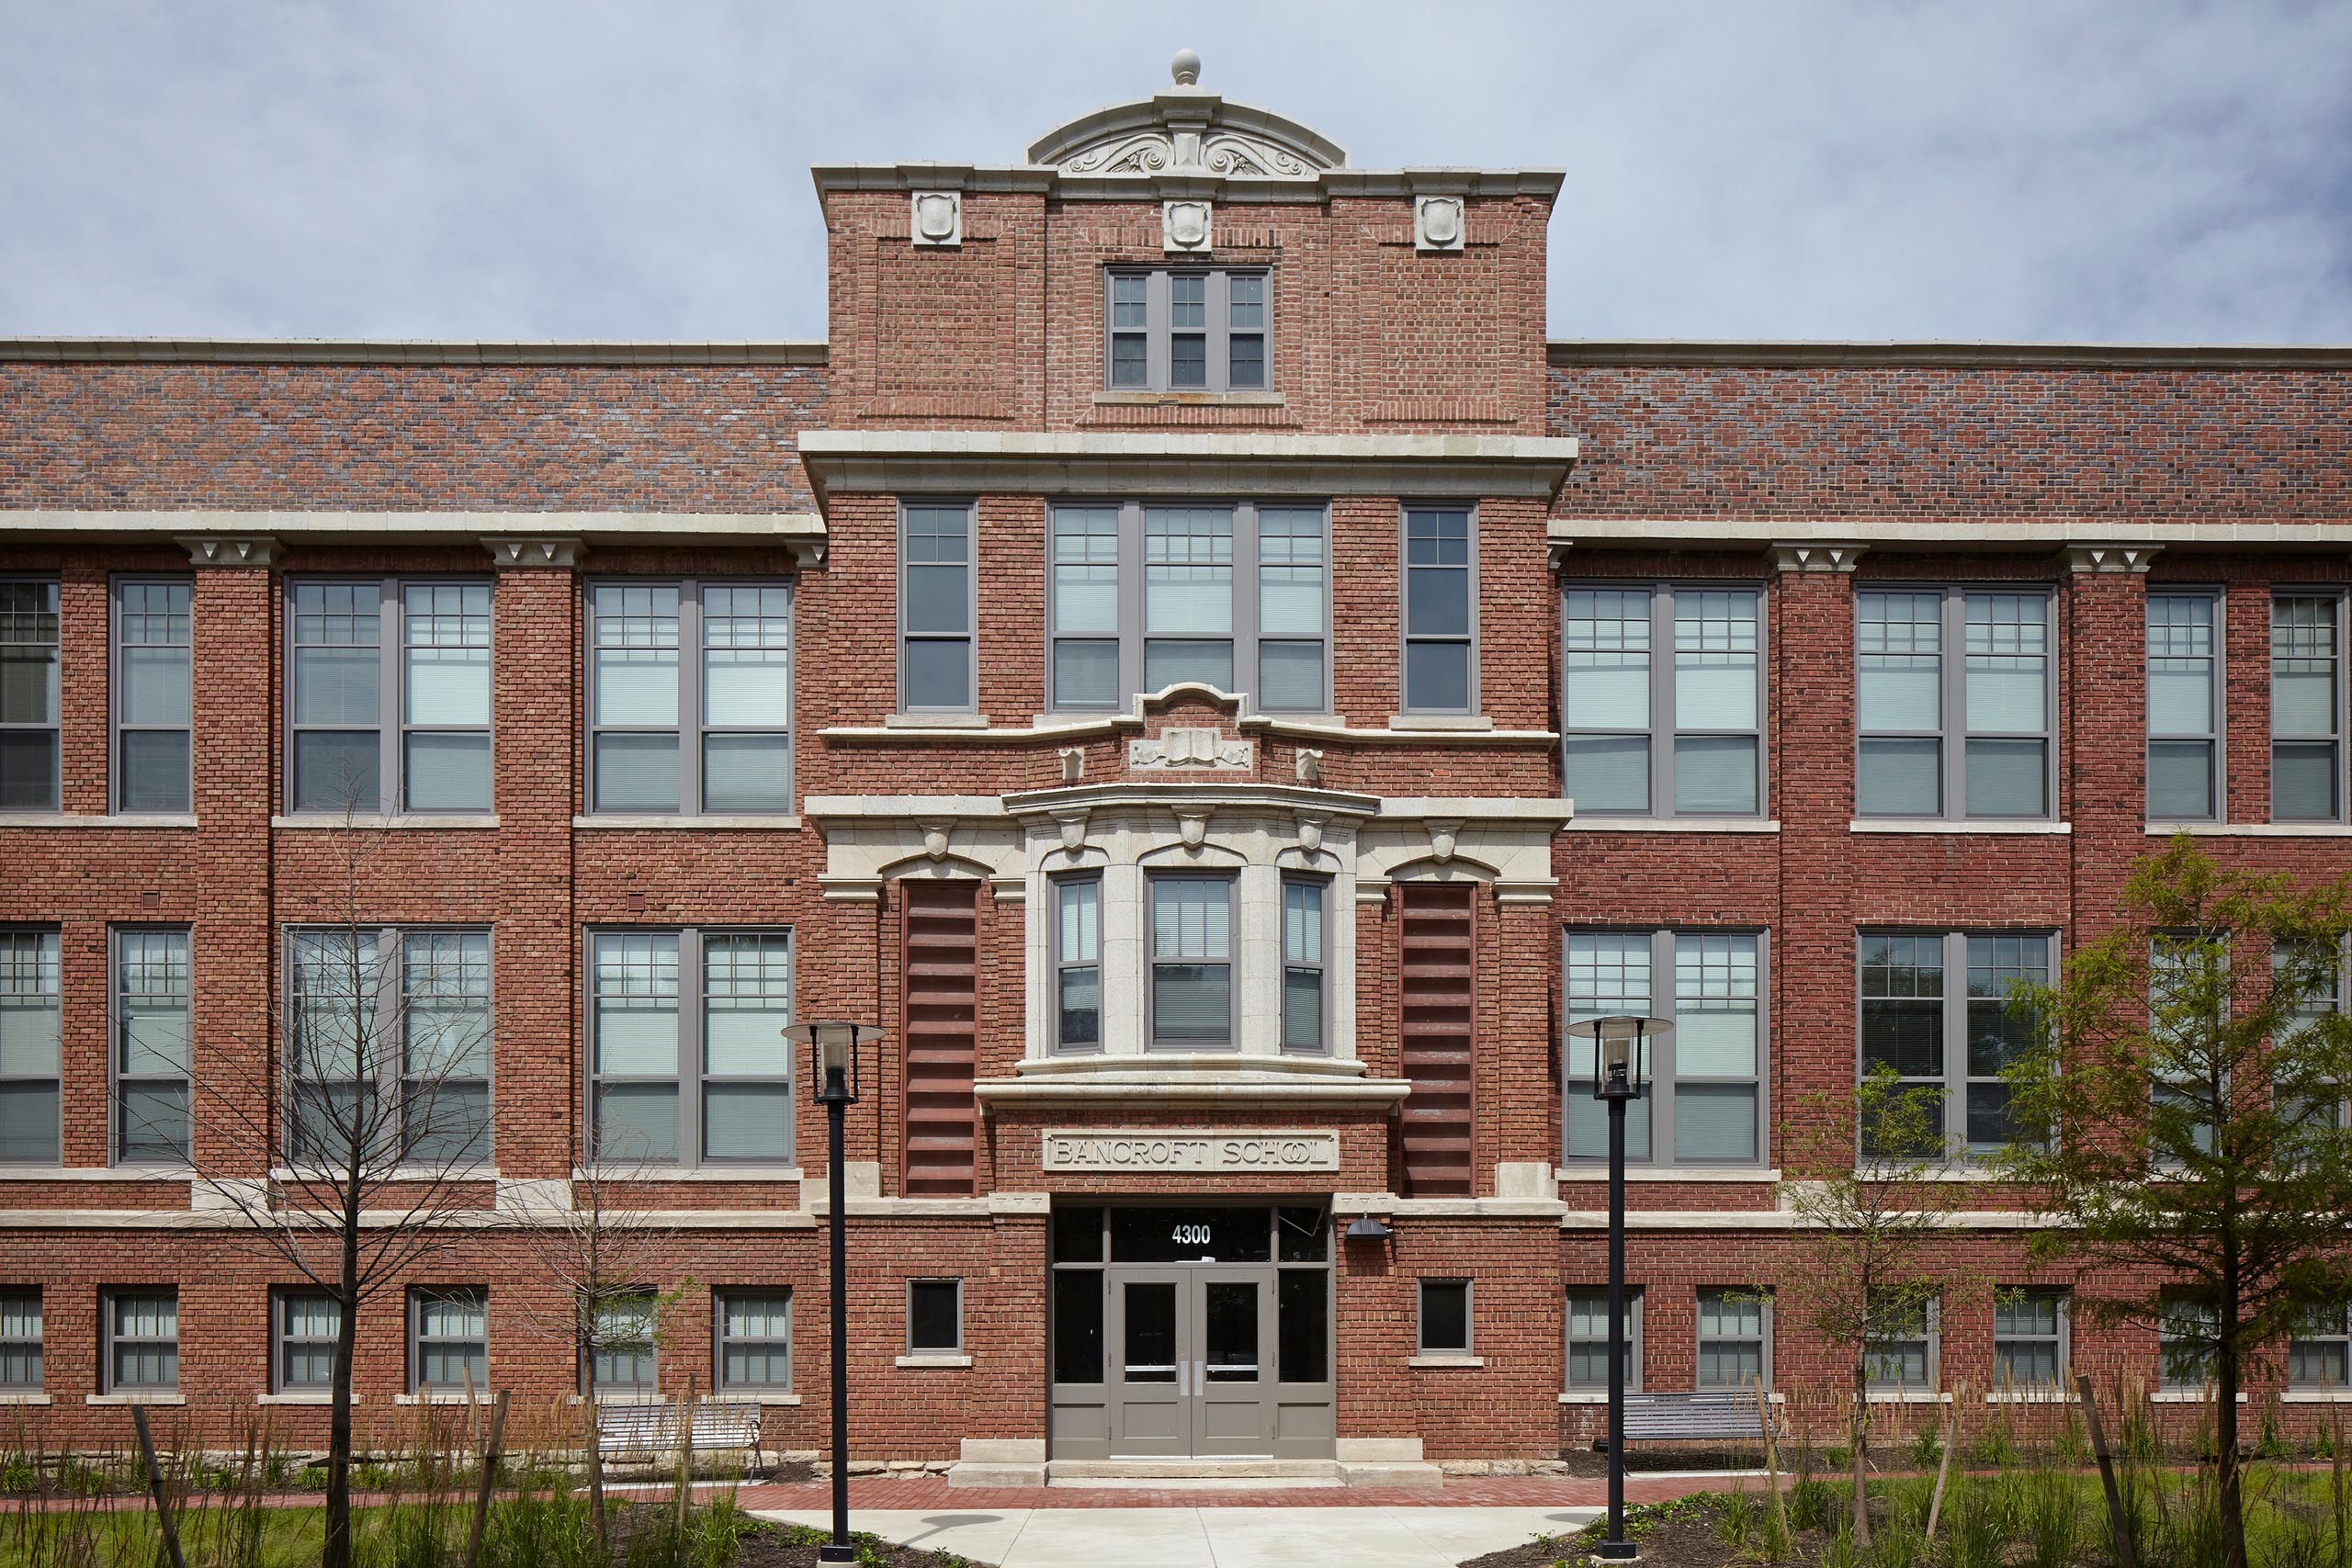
527 551
230 550
2134 559
1818 558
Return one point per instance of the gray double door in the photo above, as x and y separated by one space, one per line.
1192 1352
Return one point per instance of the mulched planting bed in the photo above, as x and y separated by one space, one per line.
1583 1461
1672 1535
795 1546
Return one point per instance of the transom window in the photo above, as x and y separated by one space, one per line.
151 1037
1680 735
2307 715
1185 330
2184 707
1143 596
29 696
29 1037
1705 1090
153 647
699 1078
390 1038
1957 737
1191 962
1914 1002
690 697
388 695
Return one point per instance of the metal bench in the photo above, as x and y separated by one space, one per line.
1715 1415
648 1433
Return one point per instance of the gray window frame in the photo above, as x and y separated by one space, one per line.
1956 1078
1953 735
721 1339
2335 598
1421 1346
594 1387
9 970
1700 1339
392 1057
112 1343
2337 1003
1063 962
119 1082
280 1297
18 1348
2063 1339
1159 330
1247 637
118 772
1320 965
1932 1310
1151 960
1633 1338
1665 727
2173 1309
969 506
692 1076
417 1296
55 728
391 727
1663 1069
2215 737
914 1349
2338 1338
1406 636
693 728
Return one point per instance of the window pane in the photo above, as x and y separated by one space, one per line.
1246 300
939 674
1900 778
2180 779
2180 698
1445 1315
1086 569
1608 640
448 773
1078 1325
1714 774
28 686
1714 1038
29 1121
1290 676
637 686
337 770
1165 664
155 769
1246 356
1302 1009
2303 703
1714 1121
2303 781
1086 673
1188 571
1900 695
1437 676
1192 1001
1129 300
931 1314
335 685
1715 659
154 685
939 600
1080 1011
746 773
636 772
2007 778
1437 601
1302 1331
29 776
746 1120
636 1122
1129 362
746 687
448 685
447 1124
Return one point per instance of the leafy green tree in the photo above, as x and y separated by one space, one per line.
2181 1120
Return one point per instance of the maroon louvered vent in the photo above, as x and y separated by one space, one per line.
1436 986
941 1011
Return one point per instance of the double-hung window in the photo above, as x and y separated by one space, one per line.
2307 715
1653 737
1735 1338
142 1340
1078 964
690 697
755 1332
937 672
448 1341
708 1083
1703 1100
20 1339
1192 962
1305 963
1953 703
29 1037
2184 707
1588 1339
624 1347
2189 996
1237 597
1441 652
389 696
152 649
1904 1354
2311 980
391 1046
152 1038
2188 1332
1185 330
28 695
2319 1356
1911 1009
304 1326
2030 1338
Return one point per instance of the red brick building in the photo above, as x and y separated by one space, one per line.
1193 662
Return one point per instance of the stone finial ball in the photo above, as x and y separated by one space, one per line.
1185 67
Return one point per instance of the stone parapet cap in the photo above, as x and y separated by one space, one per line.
216 537
2109 541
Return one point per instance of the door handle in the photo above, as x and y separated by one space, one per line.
1179 1379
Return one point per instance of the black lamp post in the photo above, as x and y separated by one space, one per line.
832 1056
1620 1066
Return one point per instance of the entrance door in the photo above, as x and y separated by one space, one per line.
1151 1361
1231 1410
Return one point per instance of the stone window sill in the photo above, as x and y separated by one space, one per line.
643 822
1599 1171
319 1399
93 1173
1669 825
2184 1396
2313 1396
620 1401
411 821
76 819
1446 1363
1908 1396
445 1397
935 721
693 1173
933 1361
1456 721
1601 1396
23 1396
2252 829
2031 1397
754 1396
1189 399
139 1396
285 1174
1938 825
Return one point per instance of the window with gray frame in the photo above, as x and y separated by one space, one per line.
1911 1010
1953 736
1444 1318
935 1317
142 1340
1077 962
690 697
1588 1337
151 1033
1705 1081
1680 737
20 1338
622 1358
2183 968
29 1035
2324 966
1236 596
2184 706
2187 1335
303 1326
1184 330
153 646
1735 1338
703 1084
2307 707
389 696
28 695
1907 1355
1191 962
2319 1356
2030 1338
1306 963
936 670
391 1037
753 1329
1440 619
448 1337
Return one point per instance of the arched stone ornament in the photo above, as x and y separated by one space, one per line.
1192 825
938 218
1310 832
934 839
1184 226
1073 830
1438 222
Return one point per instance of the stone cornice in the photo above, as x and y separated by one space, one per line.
799 531
394 351
1572 538
1954 355
963 462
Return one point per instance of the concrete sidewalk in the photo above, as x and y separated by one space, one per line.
1209 1536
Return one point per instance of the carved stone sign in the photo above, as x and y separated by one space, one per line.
1189 749
1146 1149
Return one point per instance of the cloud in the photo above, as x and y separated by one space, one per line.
2146 172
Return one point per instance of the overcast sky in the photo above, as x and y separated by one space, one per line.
2136 171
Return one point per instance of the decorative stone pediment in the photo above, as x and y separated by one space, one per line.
1187 131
